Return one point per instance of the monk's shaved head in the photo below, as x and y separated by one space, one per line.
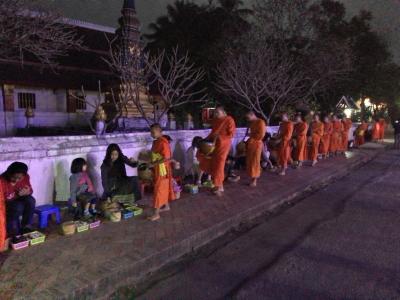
156 130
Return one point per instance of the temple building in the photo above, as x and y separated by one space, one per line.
52 97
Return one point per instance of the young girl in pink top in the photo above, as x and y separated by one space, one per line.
82 189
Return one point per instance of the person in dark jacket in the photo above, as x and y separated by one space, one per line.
116 183
396 127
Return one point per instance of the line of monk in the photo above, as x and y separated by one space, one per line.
304 141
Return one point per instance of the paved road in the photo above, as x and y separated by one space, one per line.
342 242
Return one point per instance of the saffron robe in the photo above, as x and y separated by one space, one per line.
300 132
360 134
223 130
382 127
255 147
376 131
345 135
317 132
204 162
163 187
285 133
336 138
326 138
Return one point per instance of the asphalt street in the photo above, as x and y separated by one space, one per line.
341 242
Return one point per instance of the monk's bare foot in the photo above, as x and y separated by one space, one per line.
282 173
314 163
154 217
219 193
253 183
165 208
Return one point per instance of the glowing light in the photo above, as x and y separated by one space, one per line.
348 112
367 102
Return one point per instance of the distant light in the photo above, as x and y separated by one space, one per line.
348 112
367 102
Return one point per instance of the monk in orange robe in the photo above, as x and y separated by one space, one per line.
285 134
360 134
3 231
347 124
326 138
317 133
336 138
376 131
382 126
161 161
300 133
223 131
254 147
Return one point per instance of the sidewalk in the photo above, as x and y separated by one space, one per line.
93 264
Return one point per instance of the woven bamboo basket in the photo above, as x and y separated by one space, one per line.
68 228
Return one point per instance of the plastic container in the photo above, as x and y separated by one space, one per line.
127 214
20 245
135 210
94 224
35 238
81 226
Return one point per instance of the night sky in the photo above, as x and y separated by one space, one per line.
106 12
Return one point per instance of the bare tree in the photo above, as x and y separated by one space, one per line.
172 75
262 79
177 80
26 30
99 112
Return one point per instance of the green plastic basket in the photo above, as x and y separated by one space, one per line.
82 226
137 211
36 240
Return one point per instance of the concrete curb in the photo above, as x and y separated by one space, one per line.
125 273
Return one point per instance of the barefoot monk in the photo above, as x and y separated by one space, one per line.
285 134
161 161
223 131
254 147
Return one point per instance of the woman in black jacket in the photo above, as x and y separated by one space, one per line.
116 184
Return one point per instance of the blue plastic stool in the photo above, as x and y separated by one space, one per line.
44 211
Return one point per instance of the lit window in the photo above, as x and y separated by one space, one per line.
26 100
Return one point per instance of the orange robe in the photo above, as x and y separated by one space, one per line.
163 187
3 230
347 124
326 138
300 131
376 131
285 132
336 138
360 134
223 130
204 162
317 131
382 125
254 148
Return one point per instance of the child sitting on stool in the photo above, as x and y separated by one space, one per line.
82 189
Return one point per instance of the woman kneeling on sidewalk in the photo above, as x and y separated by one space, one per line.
17 192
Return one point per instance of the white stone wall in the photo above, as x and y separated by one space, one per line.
49 158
